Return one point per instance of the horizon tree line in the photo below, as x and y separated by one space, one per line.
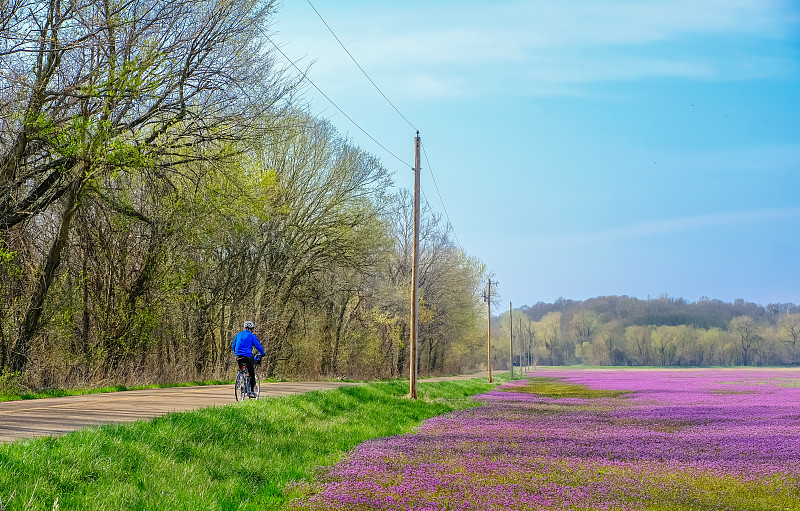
663 332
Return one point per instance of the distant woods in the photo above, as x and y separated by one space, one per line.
624 331
158 188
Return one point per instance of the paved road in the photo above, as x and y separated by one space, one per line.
53 416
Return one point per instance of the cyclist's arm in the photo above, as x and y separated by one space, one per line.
258 345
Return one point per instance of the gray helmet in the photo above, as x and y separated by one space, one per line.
249 325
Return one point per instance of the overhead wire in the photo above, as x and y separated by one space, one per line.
430 169
359 66
305 77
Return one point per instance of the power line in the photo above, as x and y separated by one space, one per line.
452 228
359 66
305 77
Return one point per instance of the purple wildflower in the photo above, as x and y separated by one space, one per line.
689 439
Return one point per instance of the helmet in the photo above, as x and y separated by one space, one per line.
249 325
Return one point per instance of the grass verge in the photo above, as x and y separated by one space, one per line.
240 456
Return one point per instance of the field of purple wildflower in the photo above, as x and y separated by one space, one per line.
679 440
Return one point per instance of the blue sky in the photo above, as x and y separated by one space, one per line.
583 148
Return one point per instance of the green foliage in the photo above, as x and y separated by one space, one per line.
615 331
9 263
199 201
243 456
10 385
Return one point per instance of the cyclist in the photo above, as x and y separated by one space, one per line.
242 347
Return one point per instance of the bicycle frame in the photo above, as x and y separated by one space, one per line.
241 386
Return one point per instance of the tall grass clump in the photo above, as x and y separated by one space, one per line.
241 456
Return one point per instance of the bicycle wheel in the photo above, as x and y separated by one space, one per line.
238 386
256 387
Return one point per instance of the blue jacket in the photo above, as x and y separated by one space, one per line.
243 344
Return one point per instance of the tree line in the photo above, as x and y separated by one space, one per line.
626 331
159 186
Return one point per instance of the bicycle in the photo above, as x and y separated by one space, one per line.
241 387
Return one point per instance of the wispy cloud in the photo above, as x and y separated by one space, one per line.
537 44
432 86
761 160
671 226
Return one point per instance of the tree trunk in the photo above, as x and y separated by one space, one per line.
3 353
204 352
339 328
85 321
276 345
30 325
327 363
123 339
433 358
400 366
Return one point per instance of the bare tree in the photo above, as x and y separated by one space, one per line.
92 92
791 325
744 329
321 216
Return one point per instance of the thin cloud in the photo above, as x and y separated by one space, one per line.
763 160
430 86
676 225
540 45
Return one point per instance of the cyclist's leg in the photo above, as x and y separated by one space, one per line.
251 371
242 381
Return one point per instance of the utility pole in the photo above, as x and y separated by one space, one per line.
415 276
511 347
489 330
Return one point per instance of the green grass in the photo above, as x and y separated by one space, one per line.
239 456
556 388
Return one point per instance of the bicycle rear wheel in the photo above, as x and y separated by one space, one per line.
238 386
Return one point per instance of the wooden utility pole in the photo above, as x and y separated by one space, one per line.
415 277
489 330
511 347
